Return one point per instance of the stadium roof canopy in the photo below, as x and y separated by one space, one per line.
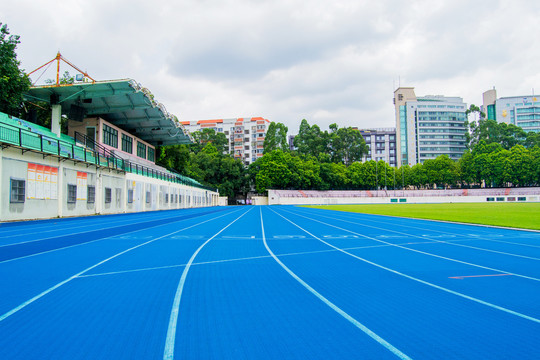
124 103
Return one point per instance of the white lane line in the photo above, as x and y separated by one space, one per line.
418 251
527 317
168 353
61 225
40 295
438 241
106 238
334 307
470 236
97 226
227 260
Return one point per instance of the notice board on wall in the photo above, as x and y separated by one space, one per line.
42 182
82 183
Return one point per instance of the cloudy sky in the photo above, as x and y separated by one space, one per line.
285 60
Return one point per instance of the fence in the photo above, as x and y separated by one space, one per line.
89 152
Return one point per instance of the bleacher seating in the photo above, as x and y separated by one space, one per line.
405 193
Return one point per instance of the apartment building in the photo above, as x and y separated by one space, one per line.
382 145
245 135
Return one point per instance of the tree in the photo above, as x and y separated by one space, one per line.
271 171
362 175
535 173
486 130
346 145
276 138
500 168
13 81
219 170
209 136
532 139
418 176
333 176
403 176
465 168
310 140
441 171
174 157
520 166
304 172
510 135
475 110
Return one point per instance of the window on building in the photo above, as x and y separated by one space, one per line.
17 194
130 196
108 195
72 193
141 150
91 194
151 154
148 197
127 144
110 136
166 198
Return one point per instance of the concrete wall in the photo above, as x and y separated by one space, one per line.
275 199
56 202
260 200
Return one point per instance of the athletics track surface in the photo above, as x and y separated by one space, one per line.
274 282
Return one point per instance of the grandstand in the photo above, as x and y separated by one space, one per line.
316 197
47 175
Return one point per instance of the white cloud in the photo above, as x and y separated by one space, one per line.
326 61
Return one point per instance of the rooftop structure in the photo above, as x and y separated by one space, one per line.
123 103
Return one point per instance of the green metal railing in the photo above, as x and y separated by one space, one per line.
94 154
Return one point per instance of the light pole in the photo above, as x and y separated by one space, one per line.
402 178
385 187
394 181
377 174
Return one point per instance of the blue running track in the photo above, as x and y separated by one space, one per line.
277 282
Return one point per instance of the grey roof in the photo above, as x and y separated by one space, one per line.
124 103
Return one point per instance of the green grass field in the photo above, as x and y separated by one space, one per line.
516 215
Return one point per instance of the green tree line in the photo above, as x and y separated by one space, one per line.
498 155
487 165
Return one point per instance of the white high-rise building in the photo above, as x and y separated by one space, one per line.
522 111
428 126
